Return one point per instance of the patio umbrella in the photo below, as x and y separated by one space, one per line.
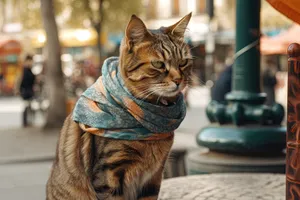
290 8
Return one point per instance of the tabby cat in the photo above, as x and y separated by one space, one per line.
94 160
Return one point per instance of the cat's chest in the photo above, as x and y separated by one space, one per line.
154 157
129 164
145 171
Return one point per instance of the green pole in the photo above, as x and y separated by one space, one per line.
246 70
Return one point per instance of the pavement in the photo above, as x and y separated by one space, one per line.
19 144
27 145
10 112
35 144
24 181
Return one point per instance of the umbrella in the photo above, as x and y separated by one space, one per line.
290 8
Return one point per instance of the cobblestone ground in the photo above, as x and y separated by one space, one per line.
225 187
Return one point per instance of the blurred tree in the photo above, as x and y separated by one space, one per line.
113 14
55 82
9 12
225 14
2 14
270 18
30 15
94 11
109 15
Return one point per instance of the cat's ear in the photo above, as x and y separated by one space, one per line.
136 31
178 29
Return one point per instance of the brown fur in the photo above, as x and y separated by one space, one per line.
89 167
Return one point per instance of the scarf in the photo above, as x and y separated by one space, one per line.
108 109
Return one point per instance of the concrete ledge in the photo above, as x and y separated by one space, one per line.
27 159
246 186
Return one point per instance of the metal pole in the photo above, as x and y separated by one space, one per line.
209 43
247 65
246 69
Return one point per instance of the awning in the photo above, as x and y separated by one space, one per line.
8 47
290 8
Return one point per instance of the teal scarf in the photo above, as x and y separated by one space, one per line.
108 109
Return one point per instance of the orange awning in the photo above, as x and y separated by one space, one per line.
10 47
290 8
280 43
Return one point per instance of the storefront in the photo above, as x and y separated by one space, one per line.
10 70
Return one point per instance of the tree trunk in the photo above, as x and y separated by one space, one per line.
3 11
54 75
98 27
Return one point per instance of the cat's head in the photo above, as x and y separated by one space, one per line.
155 64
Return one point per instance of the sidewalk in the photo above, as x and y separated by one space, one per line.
27 145
34 144
19 145
11 109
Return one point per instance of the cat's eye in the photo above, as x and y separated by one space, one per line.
183 63
158 64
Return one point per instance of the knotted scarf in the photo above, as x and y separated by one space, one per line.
108 109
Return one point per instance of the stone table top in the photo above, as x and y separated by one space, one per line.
225 187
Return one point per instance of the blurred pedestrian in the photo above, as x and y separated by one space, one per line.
269 81
1 82
26 87
222 85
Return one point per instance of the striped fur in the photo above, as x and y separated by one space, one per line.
90 167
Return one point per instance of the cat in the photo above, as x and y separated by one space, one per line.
95 162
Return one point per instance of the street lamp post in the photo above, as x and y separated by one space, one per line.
209 42
244 129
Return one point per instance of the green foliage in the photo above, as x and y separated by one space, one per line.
31 15
116 13
81 13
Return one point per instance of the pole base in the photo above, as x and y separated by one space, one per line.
205 162
241 113
249 140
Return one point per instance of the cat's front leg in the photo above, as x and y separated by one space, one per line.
151 189
150 192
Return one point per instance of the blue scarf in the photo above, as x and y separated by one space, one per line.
108 109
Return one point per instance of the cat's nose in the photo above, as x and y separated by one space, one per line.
177 81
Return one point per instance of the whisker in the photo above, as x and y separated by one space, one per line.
142 93
152 92
158 98
195 57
